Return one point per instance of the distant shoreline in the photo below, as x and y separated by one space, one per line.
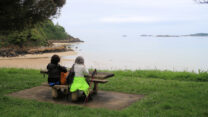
189 35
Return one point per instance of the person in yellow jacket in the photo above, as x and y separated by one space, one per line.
79 82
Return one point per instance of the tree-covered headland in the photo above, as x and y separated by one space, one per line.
36 36
28 22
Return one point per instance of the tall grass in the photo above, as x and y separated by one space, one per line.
167 75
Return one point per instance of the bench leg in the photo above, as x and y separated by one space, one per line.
74 96
54 93
95 88
66 91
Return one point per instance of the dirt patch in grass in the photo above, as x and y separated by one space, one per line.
104 99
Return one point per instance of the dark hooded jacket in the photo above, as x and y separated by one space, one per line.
54 72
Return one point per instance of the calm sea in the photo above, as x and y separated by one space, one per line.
135 52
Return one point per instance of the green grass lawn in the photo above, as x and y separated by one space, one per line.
167 94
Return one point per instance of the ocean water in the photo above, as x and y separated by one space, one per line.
135 52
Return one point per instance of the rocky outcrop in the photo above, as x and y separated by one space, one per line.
12 52
46 50
16 51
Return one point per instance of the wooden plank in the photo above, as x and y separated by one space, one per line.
44 71
60 86
66 86
100 75
55 86
99 81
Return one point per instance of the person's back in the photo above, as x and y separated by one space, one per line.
54 70
80 70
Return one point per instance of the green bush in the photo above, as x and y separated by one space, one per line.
18 38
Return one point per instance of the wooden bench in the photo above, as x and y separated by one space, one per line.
99 77
56 88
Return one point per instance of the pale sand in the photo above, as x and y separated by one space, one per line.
33 61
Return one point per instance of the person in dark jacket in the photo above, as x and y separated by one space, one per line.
54 71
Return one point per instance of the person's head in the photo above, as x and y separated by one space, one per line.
79 60
55 59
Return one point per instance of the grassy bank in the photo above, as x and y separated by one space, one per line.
167 94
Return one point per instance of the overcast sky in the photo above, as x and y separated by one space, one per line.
88 17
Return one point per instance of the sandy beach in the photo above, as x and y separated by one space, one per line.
34 61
